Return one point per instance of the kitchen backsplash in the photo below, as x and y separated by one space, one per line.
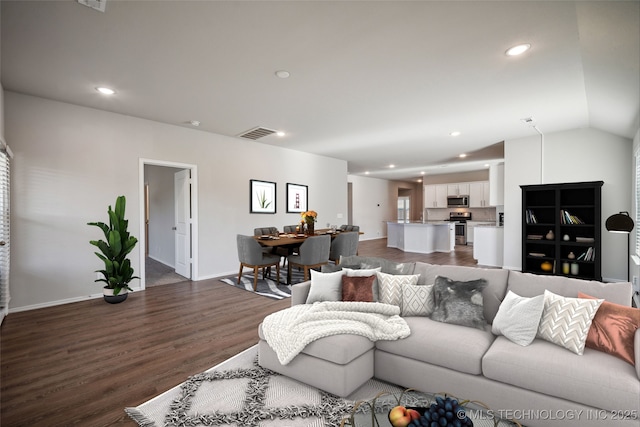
477 214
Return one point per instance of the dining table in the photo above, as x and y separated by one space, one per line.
286 239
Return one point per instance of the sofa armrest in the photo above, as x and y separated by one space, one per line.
299 293
636 350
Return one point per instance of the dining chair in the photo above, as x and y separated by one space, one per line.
313 253
344 244
251 255
265 231
291 228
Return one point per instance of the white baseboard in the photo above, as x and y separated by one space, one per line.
62 301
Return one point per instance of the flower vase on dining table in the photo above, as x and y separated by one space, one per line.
310 228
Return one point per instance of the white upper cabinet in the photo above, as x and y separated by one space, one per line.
435 196
479 194
460 189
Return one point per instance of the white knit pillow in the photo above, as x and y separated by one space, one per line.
417 300
391 286
566 321
518 318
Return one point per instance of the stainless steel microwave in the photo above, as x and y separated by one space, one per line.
458 201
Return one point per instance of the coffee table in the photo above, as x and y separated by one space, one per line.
374 413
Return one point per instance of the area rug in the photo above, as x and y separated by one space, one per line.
238 392
267 287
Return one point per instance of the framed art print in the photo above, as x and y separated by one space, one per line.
297 198
263 196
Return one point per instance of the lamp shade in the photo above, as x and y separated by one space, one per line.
619 223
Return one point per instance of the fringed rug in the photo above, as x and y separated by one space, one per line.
240 393
267 287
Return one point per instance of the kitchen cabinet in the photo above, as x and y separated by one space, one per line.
435 196
479 194
458 189
488 245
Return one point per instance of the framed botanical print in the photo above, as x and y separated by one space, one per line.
297 198
262 196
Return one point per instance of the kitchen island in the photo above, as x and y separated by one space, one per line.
421 237
488 245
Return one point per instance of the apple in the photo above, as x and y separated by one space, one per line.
399 416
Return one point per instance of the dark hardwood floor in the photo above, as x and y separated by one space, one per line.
81 364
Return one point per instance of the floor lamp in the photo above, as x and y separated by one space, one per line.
621 223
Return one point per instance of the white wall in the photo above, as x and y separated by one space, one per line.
571 156
373 203
71 162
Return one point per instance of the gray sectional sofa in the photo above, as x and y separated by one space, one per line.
542 384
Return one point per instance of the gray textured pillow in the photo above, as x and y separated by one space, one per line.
459 303
325 286
518 318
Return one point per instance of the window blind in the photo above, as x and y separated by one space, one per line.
5 173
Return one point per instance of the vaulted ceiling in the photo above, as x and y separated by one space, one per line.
371 82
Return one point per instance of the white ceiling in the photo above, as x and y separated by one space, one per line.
372 82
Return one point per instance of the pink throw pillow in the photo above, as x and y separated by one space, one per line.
357 288
613 328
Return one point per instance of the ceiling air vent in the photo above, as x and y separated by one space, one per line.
257 133
99 5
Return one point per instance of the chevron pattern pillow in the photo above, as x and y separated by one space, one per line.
566 321
391 286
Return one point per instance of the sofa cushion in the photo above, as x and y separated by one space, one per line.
613 329
594 379
387 266
340 349
390 286
518 318
492 295
566 321
357 288
417 300
459 303
325 286
451 346
530 285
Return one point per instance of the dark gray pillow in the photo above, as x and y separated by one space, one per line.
459 303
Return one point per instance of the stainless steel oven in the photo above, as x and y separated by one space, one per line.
460 218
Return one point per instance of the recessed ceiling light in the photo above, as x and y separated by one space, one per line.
422 173
518 50
280 133
392 166
419 180
366 172
462 156
486 165
105 90
455 133
194 123
283 74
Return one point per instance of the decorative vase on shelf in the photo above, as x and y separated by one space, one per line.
571 255
550 235
574 269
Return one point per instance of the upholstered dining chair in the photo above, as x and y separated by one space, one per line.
265 231
345 227
251 255
290 228
313 253
344 244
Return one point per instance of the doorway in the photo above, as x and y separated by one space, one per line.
168 213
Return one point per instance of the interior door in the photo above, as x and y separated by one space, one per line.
182 229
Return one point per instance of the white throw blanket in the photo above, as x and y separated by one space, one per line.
290 330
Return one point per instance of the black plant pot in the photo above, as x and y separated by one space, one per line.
114 299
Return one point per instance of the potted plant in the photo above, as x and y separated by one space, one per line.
119 243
